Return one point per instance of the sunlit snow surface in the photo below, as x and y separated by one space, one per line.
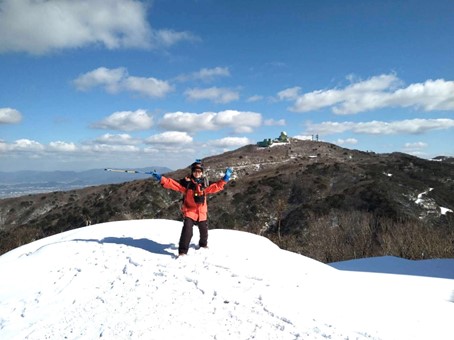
122 280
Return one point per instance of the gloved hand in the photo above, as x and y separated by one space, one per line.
227 174
156 175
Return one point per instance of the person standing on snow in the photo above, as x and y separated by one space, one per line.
194 189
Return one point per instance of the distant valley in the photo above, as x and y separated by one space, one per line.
21 183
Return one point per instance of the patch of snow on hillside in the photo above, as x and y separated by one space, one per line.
278 144
442 268
445 210
420 199
430 205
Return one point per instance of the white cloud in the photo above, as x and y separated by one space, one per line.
108 149
254 99
9 116
126 121
38 26
206 74
62 146
118 139
410 126
375 93
238 121
415 148
273 122
26 145
29 154
429 96
186 121
151 87
350 141
36 148
214 94
230 142
3 146
289 94
43 26
112 144
303 137
416 145
170 137
117 80
111 79
169 153
167 37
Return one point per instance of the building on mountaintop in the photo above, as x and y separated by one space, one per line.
283 138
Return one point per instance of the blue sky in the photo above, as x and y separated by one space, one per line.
122 83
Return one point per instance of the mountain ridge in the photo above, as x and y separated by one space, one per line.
314 198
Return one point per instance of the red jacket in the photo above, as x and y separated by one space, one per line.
191 209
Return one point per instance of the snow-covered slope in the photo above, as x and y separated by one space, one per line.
122 280
442 268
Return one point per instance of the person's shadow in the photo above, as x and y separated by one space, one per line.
143 243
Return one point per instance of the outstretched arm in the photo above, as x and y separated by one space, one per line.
169 183
219 185
215 187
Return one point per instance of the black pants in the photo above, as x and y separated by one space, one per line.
186 234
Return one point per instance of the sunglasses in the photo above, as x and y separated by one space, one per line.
198 170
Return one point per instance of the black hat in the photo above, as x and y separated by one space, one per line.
196 165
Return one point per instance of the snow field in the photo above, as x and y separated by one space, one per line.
123 280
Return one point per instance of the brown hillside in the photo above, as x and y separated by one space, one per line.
315 198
